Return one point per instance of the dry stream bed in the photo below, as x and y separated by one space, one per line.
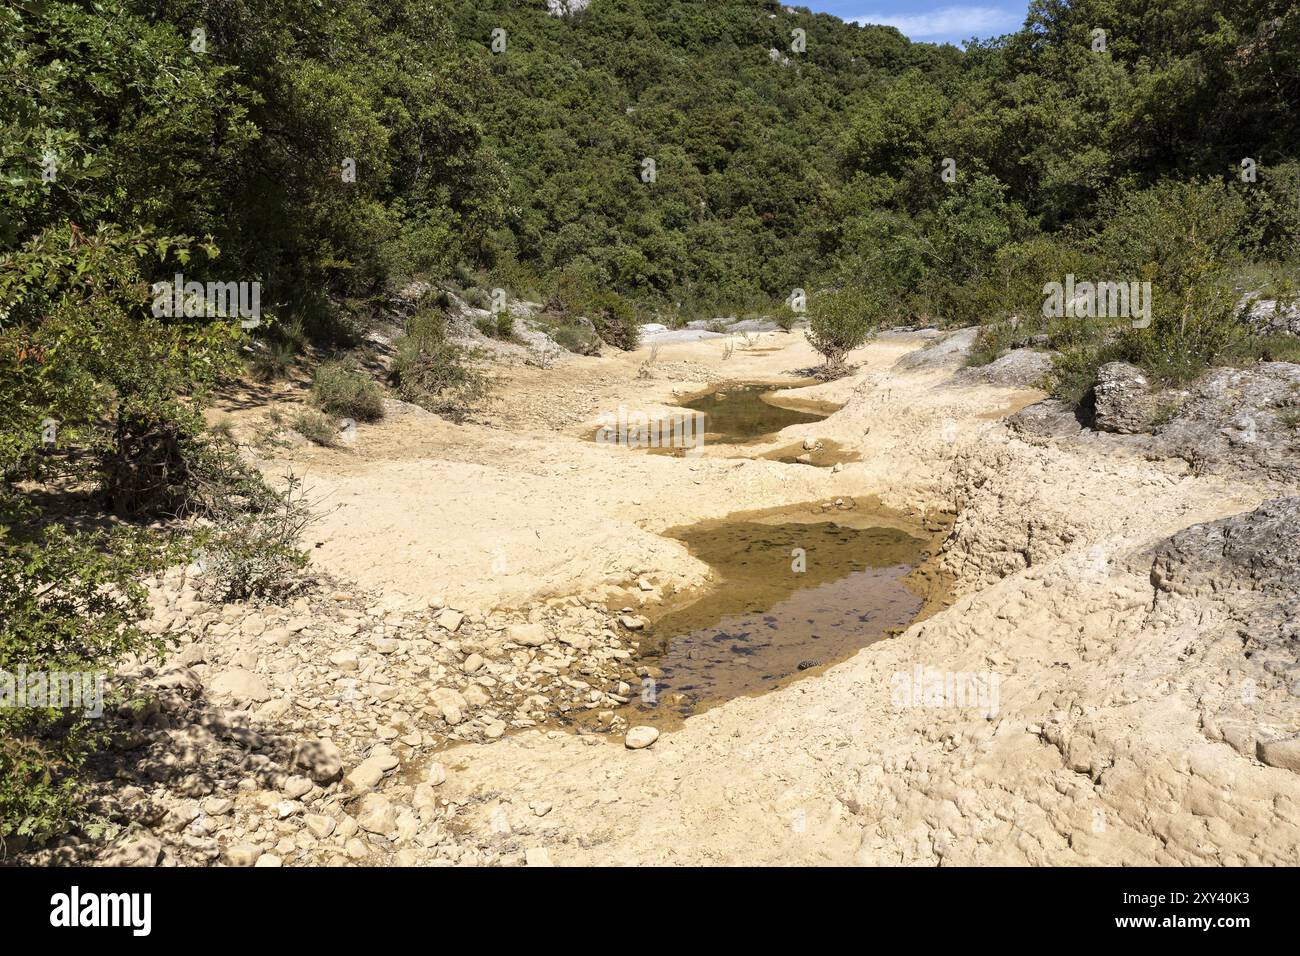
795 588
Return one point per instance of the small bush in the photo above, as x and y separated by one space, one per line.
576 338
273 361
1075 371
992 341
614 320
433 372
255 553
347 393
840 321
505 325
316 427
612 316
1250 350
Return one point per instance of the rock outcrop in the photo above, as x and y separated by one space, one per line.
1124 401
1239 418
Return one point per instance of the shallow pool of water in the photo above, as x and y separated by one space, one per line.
744 412
791 596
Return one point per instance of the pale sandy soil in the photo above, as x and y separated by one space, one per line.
1096 753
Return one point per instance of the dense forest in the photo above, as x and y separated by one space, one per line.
645 159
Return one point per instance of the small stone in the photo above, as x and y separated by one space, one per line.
239 685
244 854
450 619
526 635
321 759
472 663
217 806
638 738
375 814
279 636
451 703
142 852
631 623
345 660
437 775
365 775
537 856
269 859
296 787
320 825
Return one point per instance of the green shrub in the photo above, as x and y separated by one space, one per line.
255 552
614 319
611 315
576 338
992 341
348 393
498 325
435 373
316 427
1278 347
273 360
840 321
505 325
70 602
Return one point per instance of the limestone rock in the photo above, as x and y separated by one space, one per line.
376 814
144 851
1124 403
1280 753
239 685
321 760
638 738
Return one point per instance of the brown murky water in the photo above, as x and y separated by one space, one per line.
793 595
826 454
738 413
730 414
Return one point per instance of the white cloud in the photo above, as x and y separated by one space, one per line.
963 22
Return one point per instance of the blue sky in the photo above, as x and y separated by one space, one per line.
931 21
